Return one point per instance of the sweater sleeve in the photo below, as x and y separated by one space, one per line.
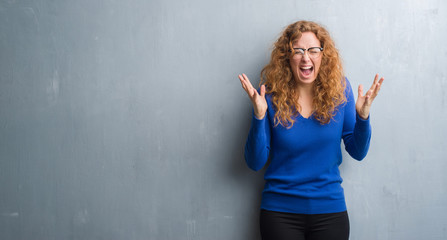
257 147
356 131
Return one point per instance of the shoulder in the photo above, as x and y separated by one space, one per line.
348 88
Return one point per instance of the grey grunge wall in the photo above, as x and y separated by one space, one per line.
126 119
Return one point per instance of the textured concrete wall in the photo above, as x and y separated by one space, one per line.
126 120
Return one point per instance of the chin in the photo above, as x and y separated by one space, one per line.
306 80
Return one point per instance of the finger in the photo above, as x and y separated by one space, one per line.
240 78
376 78
368 96
247 81
377 88
246 85
378 85
242 81
245 77
252 92
374 84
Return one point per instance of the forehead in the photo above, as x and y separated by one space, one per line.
307 39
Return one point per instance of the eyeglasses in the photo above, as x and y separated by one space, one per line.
312 52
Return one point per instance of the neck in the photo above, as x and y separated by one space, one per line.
305 90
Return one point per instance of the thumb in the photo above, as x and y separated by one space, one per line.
262 91
360 91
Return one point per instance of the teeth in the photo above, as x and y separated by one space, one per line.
306 68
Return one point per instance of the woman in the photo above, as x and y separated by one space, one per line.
301 113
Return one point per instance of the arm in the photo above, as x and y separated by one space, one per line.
258 141
356 131
257 147
357 140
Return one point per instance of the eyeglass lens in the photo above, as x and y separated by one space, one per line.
313 52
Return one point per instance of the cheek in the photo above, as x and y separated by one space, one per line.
294 63
317 65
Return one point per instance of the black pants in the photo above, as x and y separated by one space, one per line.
285 226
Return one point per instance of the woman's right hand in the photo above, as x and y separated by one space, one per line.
258 100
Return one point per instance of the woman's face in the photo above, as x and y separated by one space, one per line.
304 66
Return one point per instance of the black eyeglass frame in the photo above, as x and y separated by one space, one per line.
304 50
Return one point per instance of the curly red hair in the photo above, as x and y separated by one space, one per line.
328 88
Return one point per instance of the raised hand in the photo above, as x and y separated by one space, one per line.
258 99
364 102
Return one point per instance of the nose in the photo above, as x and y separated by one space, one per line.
305 56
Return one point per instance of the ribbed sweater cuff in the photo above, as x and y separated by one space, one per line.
362 124
258 124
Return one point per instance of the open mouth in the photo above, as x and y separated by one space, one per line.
306 71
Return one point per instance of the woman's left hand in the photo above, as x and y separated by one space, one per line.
364 102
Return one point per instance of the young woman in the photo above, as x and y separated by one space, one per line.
303 109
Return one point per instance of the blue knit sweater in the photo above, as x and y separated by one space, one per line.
303 175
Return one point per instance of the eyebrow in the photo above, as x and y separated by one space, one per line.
306 48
